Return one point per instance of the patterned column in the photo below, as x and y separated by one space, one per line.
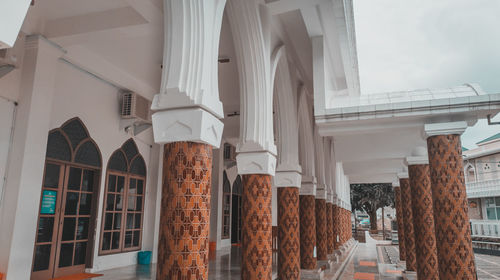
400 219
256 228
411 264
307 231
336 226
454 245
321 238
288 233
185 211
423 221
329 228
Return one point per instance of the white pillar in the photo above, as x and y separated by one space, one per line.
20 204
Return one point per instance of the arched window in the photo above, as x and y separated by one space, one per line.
68 201
123 201
226 207
72 143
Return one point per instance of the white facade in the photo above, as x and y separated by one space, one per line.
278 82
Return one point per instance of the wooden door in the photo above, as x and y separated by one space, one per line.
65 221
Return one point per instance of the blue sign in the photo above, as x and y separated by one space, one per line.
49 199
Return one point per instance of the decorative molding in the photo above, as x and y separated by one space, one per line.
308 187
448 128
283 179
254 69
321 194
395 184
256 163
189 124
416 160
403 175
191 47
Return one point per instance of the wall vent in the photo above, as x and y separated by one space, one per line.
135 106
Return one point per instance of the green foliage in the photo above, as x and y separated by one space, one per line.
370 197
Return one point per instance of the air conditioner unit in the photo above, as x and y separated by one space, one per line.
134 106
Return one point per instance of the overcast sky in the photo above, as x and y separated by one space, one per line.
411 44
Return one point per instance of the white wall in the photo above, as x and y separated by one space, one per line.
7 110
97 104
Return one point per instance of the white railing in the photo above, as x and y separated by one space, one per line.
483 188
485 228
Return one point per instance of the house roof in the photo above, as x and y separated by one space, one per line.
494 137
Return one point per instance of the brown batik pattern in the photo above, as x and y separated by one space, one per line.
423 222
400 219
329 228
288 234
185 211
454 245
307 231
336 226
256 227
321 238
411 261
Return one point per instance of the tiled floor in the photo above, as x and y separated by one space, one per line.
224 266
366 264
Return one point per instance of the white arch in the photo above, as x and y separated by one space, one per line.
256 150
286 110
306 139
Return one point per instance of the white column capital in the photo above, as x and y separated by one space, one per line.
188 108
308 186
395 184
329 197
418 156
321 194
433 129
187 124
403 175
190 55
283 179
416 160
262 162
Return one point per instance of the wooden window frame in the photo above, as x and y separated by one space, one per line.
224 215
124 211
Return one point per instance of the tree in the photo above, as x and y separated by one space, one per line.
371 197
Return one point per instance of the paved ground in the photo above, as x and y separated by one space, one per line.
488 267
368 263
373 260
378 260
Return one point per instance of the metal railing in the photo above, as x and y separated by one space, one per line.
485 188
484 228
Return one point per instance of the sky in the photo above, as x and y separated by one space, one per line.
413 44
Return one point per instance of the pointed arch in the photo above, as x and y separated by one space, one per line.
127 159
72 143
306 139
285 105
